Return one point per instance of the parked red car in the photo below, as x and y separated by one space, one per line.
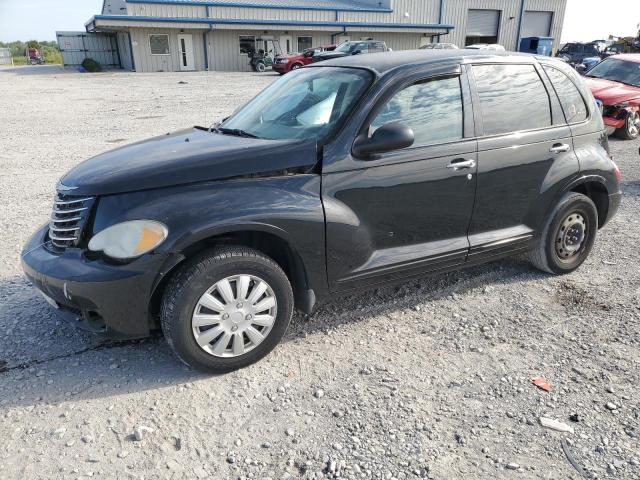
284 65
615 83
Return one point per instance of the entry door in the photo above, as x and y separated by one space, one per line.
286 43
185 44
406 211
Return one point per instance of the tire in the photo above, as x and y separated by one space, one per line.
295 66
631 128
260 67
203 275
567 236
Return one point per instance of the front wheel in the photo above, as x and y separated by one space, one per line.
260 67
631 128
567 236
226 309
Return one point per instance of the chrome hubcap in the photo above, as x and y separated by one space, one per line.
571 236
234 316
634 124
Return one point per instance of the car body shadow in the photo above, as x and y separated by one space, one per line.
49 361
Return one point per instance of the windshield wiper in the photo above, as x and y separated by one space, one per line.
234 131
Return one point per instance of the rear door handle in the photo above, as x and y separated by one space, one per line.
559 147
462 163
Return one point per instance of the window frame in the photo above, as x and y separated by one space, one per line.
168 44
298 37
590 110
400 84
255 49
477 103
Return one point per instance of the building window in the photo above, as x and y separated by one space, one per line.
247 44
304 43
159 44
483 26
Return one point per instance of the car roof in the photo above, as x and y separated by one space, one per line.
385 61
629 57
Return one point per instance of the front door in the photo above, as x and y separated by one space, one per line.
286 44
185 48
406 211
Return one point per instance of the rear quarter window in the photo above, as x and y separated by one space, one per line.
573 105
512 98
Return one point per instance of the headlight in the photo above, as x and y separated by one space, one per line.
129 239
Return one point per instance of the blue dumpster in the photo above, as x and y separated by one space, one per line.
536 45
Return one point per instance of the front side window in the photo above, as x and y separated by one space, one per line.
512 98
159 44
432 109
617 70
305 43
575 110
247 44
307 103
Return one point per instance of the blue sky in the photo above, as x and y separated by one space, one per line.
39 19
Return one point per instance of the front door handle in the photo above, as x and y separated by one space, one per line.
559 147
462 163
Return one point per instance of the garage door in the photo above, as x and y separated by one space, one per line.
483 23
536 24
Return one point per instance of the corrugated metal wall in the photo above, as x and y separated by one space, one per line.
224 45
455 12
124 50
145 62
5 56
76 46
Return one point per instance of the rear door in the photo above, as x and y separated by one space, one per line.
406 211
524 151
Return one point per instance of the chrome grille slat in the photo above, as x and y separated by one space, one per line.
68 218
69 202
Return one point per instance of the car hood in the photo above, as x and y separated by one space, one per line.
188 156
328 55
612 93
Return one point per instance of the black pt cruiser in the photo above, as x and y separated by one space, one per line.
341 176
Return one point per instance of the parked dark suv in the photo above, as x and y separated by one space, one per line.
352 48
575 53
341 176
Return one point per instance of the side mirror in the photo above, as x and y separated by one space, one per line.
581 68
387 138
356 52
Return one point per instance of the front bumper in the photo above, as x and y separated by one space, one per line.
613 123
110 299
281 67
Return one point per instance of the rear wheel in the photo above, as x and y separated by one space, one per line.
226 309
631 128
260 67
296 66
567 236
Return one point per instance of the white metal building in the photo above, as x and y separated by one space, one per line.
175 35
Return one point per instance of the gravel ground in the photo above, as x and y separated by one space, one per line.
428 379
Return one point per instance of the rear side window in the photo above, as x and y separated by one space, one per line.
512 98
432 109
575 110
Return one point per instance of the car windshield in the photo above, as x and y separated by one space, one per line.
344 48
617 70
307 103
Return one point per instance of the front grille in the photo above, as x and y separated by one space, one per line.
70 213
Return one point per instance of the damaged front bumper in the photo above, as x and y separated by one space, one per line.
615 116
112 300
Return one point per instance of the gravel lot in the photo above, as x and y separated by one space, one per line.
429 379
